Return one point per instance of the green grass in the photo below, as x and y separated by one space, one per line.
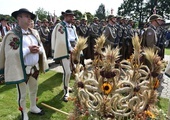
50 92
163 104
167 51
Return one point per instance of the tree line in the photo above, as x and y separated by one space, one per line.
138 10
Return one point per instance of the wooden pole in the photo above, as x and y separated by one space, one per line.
53 108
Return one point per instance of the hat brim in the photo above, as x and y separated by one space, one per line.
15 14
64 13
155 19
3 19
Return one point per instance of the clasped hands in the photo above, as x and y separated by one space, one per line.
34 48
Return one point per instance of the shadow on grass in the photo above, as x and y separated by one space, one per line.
49 93
4 88
55 102
50 83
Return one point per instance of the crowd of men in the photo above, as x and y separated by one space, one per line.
117 30
30 44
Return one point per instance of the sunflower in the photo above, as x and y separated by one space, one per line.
106 88
150 114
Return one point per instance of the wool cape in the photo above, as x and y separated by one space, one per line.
59 42
12 66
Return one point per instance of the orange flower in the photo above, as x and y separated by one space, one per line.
156 83
150 114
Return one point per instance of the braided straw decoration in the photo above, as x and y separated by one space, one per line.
118 90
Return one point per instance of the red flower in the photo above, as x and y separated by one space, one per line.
20 108
11 43
15 43
59 29
15 39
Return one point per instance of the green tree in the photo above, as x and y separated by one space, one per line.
78 14
100 12
133 9
140 10
41 13
162 8
8 17
89 17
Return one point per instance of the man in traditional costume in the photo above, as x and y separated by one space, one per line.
130 33
22 57
119 36
110 32
64 37
82 31
149 37
161 33
4 27
44 35
94 32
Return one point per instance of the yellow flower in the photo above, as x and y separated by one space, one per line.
150 114
106 88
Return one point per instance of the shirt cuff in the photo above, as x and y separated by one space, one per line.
40 50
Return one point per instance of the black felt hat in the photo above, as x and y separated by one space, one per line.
23 10
68 12
3 19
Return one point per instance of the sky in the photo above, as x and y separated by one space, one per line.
8 6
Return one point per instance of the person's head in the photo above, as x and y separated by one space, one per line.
131 22
68 16
3 21
51 24
24 17
58 20
119 19
31 24
45 22
111 19
155 20
96 20
103 22
39 22
74 20
84 21
125 21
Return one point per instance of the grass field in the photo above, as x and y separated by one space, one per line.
167 51
50 92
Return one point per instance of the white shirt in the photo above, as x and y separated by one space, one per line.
30 59
5 30
71 35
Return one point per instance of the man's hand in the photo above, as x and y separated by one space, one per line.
34 48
